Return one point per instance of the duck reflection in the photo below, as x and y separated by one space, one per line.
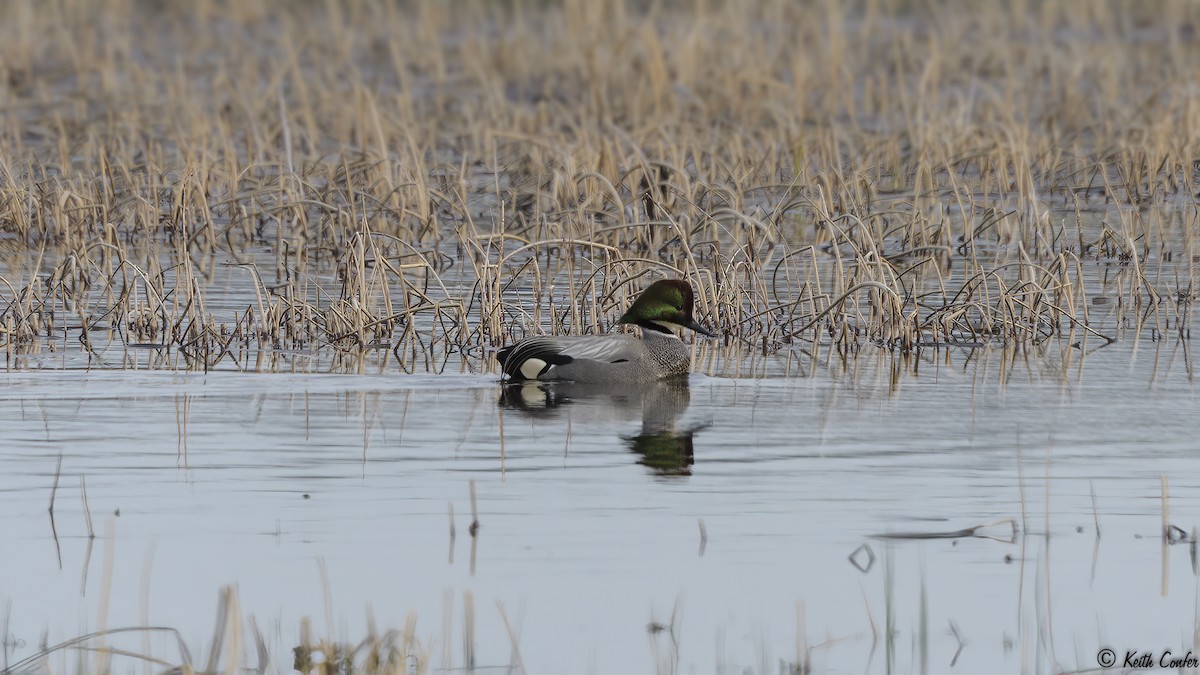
664 445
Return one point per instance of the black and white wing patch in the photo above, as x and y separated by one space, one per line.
532 358
536 358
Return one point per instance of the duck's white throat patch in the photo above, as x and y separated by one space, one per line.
669 325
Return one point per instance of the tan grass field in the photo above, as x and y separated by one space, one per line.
439 178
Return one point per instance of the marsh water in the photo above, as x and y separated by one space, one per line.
723 525
980 506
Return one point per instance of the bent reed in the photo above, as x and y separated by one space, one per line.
225 184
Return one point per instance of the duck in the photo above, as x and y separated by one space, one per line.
618 358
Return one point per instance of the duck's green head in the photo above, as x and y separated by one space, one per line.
665 306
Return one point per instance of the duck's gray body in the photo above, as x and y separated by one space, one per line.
660 310
600 359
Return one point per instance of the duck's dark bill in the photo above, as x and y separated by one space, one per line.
695 325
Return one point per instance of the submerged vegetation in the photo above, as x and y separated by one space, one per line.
225 183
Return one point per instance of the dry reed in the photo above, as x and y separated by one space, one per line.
235 185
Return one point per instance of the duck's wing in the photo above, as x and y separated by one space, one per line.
537 357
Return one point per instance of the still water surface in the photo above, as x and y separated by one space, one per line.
732 505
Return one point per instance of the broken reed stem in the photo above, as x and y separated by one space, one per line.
469 630
87 511
801 663
474 529
54 487
110 546
25 664
516 663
